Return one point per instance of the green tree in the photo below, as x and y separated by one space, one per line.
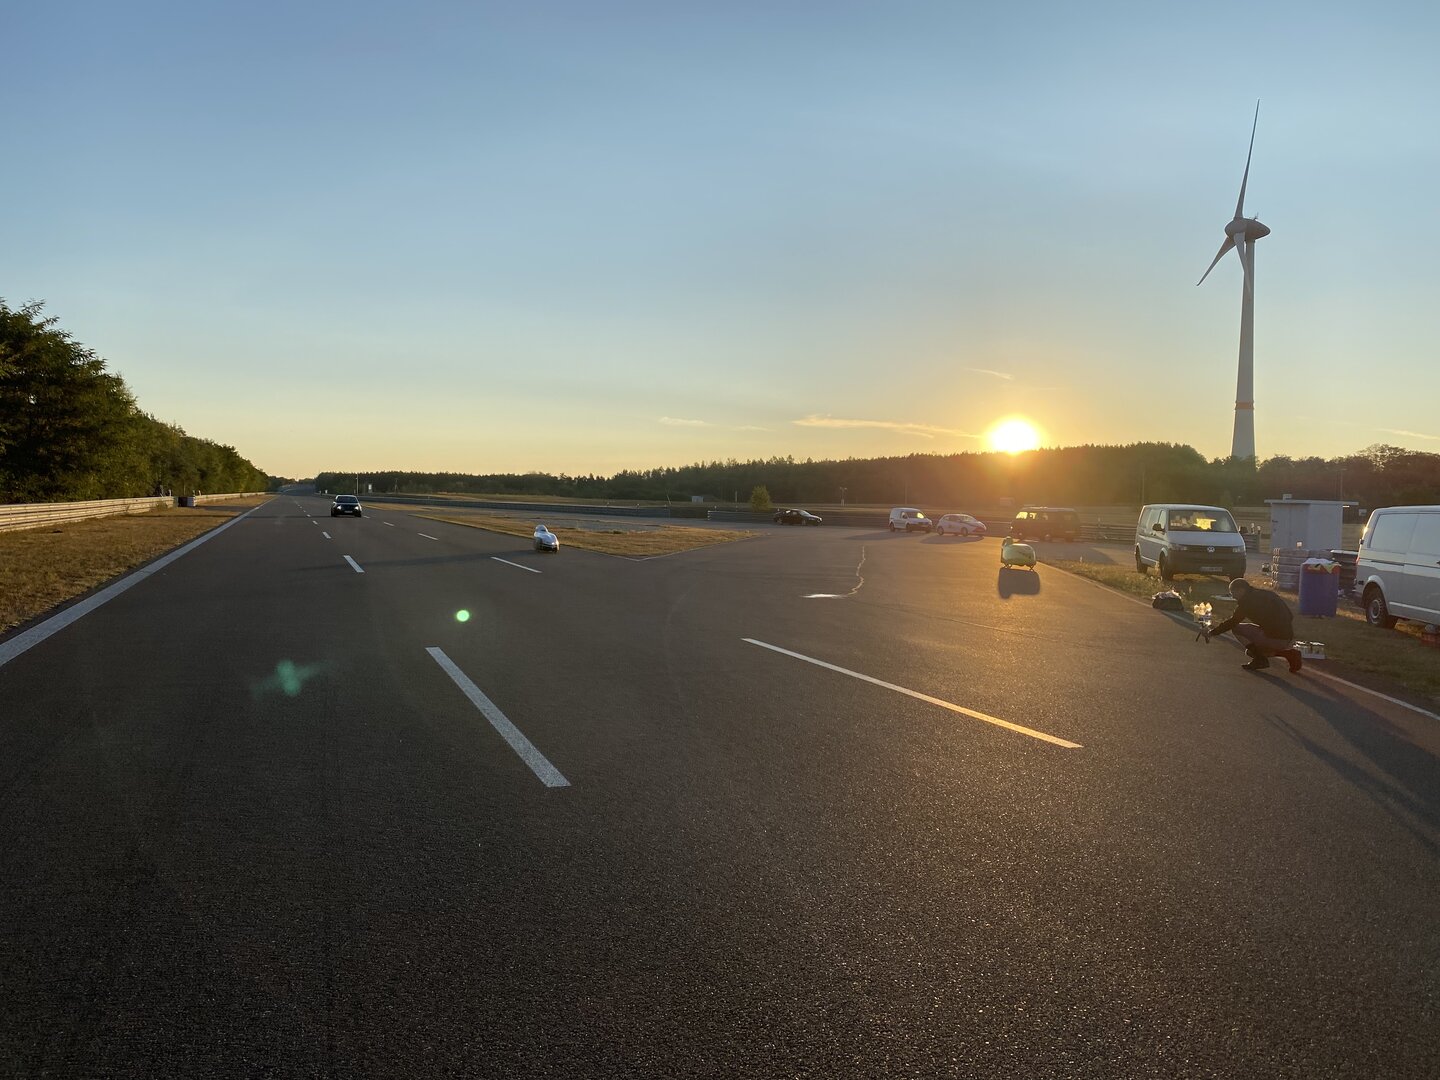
760 499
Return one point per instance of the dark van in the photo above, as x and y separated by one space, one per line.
1046 523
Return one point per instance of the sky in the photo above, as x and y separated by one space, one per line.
582 237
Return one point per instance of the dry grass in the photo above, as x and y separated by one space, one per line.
1354 649
644 542
40 568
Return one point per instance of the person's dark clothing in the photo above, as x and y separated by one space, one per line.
1266 610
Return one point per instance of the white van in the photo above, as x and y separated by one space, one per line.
1182 538
1397 575
909 519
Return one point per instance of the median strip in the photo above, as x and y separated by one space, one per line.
539 765
1042 736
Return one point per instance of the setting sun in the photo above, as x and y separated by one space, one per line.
1014 435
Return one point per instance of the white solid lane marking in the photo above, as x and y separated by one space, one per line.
429 537
354 565
922 697
517 566
387 524
548 774
36 634
326 535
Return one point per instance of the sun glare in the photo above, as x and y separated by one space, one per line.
1014 435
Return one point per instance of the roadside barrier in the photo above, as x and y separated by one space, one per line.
18 516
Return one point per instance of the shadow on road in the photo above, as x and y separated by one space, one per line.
948 541
1014 582
1403 778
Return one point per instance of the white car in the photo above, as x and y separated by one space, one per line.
960 525
909 519
545 540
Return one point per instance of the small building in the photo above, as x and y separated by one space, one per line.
1307 524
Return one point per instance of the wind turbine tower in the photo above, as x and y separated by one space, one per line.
1241 234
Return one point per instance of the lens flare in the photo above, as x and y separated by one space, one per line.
462 615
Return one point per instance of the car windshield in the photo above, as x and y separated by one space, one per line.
1216 521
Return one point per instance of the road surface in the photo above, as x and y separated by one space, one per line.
825 803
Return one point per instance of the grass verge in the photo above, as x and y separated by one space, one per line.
1388 660
645 542
42 568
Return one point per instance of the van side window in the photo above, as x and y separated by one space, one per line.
1427 535
1392 532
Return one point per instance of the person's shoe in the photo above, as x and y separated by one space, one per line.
1293 656
1257 660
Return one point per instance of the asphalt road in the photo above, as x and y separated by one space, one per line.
825 803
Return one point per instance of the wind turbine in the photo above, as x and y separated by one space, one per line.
1241 234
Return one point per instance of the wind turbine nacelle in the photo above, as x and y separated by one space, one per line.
1246 229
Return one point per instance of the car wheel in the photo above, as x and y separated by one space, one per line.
1377 612
1164 567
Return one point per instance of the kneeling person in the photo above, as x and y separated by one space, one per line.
1262 621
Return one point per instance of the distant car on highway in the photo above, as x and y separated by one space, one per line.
796 517
346 504
545 540
960 525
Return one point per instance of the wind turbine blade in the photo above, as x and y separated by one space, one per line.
1226 246
1240 203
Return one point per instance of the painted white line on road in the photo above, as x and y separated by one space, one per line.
428 536
387 524
548 774
21 643
354 565
922 697
517 566
1373 693
326 535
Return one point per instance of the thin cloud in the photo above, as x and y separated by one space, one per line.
1410 434
675 421
923 431
986 371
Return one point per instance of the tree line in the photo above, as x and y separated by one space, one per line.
71 430
1089 475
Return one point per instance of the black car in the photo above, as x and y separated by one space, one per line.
796 517
346 504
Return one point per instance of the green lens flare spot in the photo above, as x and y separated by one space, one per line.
462 615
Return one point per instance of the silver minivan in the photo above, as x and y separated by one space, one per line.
1183 538
1397 574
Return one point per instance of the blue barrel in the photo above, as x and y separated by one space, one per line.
1319 587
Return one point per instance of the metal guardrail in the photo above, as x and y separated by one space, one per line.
17 516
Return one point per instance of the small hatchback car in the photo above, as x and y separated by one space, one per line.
960 525
346 504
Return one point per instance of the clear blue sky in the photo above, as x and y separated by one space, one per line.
588 236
